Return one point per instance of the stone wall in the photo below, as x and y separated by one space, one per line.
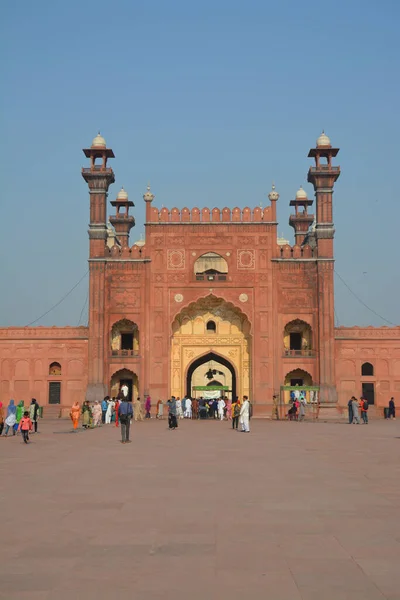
26 354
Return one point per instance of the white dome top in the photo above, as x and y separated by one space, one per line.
99 142
273 195
122 194
323 140
301 194
148 196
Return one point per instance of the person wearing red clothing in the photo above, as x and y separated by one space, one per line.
25 426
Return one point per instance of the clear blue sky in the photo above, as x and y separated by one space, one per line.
210 101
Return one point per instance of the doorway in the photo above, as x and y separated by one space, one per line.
127 377
299 382
210 357
54 392
368 392
129 384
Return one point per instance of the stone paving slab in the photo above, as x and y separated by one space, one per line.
291 511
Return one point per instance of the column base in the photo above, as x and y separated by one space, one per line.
327 394
95 391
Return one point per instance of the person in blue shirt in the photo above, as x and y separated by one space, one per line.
125 414
104 406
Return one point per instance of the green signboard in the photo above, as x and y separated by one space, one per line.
204 388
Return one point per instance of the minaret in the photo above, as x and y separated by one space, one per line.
98 177
301 220
273 197
323 177
148 197
122 221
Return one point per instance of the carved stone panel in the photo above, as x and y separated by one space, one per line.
176 259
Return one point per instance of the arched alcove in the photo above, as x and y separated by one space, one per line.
367 369
55 368
124 338
210 267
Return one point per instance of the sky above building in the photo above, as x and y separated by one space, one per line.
209 101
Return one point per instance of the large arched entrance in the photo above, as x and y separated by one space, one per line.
215 360
211 326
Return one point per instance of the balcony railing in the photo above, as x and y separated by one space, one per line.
125 353
298 353
210 277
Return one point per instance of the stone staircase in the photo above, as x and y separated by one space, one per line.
52 411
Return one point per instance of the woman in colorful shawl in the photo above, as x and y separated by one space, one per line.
11 417
1 418
34 413
86 415
20 411
96 411
75 414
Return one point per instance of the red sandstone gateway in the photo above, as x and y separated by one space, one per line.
208 291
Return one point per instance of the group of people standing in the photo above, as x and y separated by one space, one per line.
19 419
356 408
220 409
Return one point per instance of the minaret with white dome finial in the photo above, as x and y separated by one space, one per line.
122 221
301 220
98 177
323 177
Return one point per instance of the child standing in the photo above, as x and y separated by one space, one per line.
25 426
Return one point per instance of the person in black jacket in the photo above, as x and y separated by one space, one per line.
392 409
350 409
34 413
125 414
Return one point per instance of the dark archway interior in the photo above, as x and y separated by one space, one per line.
203 359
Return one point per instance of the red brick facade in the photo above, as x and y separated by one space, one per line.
274 304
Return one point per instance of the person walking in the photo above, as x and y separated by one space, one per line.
25 426
34 413
116 407
148 407
11 418
350 410
104 406
356 416
302 408
20 411
125 415
275 407
172 412
86 415
392 409
160 409
364 410
245 415
97 414
188 408
221 406
109 412
235 414
75 414
179 411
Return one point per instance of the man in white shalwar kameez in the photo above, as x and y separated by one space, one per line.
188 408
221 406
245 415
179 411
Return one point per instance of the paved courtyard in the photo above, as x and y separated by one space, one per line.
291 511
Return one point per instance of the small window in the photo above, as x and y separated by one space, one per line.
126 341
367 370
55 368
211 326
